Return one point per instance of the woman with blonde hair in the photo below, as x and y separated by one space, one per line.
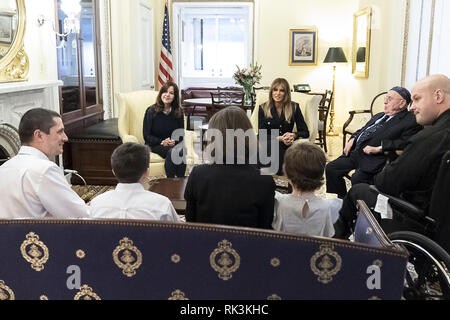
230 190
280 113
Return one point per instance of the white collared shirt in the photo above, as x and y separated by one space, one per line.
132 201
32 186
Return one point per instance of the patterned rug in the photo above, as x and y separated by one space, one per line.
89 192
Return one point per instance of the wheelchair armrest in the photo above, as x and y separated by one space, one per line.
402 205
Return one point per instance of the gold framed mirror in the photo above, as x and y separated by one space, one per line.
14 63
361 43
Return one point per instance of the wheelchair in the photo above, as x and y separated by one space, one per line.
426 236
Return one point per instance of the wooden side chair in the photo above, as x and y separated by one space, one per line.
225 99
324 110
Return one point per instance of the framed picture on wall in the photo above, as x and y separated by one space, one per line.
303 46
6 28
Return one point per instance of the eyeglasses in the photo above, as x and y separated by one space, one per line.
388 99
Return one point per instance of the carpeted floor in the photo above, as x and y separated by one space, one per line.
89 192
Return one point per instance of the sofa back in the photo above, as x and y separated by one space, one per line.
132 259
203 92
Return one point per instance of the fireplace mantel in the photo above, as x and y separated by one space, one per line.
16 98
12 87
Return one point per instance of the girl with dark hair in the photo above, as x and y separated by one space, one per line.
160 122
280 113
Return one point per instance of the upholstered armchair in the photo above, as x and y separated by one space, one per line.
309 105
132 107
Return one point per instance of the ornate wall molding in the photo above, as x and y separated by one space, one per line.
107 64
430 36
405 42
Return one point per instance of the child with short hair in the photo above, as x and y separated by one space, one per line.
302 212
130 200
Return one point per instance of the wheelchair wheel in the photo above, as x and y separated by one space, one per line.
427 273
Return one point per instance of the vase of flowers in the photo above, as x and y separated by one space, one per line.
247 78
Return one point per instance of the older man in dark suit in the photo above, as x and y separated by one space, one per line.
412 175
388 130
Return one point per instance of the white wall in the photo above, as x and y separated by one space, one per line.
40 41
334 22
126 42
388 19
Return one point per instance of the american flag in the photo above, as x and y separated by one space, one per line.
165 63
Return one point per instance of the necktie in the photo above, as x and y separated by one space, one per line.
370 131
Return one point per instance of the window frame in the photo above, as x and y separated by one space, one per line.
85 115
177 31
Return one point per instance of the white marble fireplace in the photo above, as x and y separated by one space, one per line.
16 99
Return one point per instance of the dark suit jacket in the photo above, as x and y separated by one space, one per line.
413 175
281 124
235 195
392 136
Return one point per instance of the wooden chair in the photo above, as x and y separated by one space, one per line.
358 118
225 99
324 110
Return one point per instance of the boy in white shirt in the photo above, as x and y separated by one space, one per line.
302 212
130 200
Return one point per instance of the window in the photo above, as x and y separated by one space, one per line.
211 39
79 67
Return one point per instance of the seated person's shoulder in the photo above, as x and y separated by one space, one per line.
280 197
267 180
151 109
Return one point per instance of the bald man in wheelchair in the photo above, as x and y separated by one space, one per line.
413 174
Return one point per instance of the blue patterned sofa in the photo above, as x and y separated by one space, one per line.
117 259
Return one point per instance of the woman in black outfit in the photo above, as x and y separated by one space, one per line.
280 113
160 122
230 191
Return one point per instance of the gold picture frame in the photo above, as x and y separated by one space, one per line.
14 63
303 46
361 43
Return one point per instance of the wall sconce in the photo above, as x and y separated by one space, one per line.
72 10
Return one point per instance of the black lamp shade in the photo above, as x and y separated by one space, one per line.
335 54
361 54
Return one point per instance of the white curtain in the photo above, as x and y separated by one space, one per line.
428 48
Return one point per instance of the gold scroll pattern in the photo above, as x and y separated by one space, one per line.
178 295
326 263
86 293
5 292
127 257
225 260
17 69
34 251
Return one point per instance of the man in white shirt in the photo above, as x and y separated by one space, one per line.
130 200
31 185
